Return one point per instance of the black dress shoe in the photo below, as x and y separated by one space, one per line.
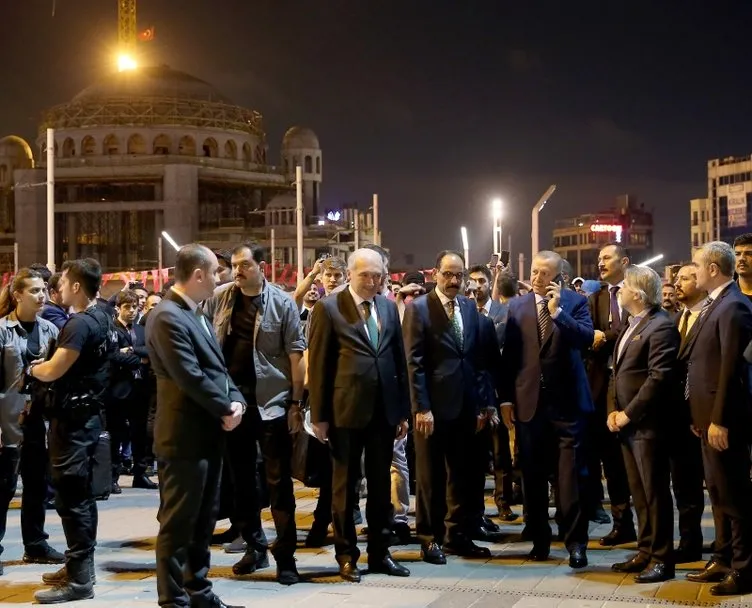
116 489
714 572
733 584
599 515
657 573
539 554
143 482
250 562
287 572
484 534
506 514
349 572
491 526
467 549
387 566
401 534
685 555
618 537
43 555
637 563
214 602
432 554
578 558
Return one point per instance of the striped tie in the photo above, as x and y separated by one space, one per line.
705 305
544 321
454 322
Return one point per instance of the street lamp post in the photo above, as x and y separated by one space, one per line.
535 234
496 209
465 246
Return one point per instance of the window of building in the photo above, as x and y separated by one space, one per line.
88 146
695 241
111 145
694 218
308 165
187 146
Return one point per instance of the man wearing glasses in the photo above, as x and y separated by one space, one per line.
444 361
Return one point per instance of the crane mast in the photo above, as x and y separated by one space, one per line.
127 35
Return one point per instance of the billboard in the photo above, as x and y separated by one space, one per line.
737 209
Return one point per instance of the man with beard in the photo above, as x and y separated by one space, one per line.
669 302
608 320
258 328
743 253
685 457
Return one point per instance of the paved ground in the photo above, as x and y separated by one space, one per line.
125 572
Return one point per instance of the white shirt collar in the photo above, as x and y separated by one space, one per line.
191 304
620 284
443 297
358 300
718 290
697 307
487 306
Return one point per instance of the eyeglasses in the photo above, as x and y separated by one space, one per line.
448 276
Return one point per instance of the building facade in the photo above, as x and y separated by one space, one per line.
579 239
156 149
727 210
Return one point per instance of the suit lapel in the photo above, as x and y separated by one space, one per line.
353 316
699 323
467 309
382 311
438 318
637 332
194 320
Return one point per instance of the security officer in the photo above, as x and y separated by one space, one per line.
80 372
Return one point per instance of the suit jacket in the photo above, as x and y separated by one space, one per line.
348 379
599 305
642 385
126 364
498 314
557 363
717 372
491 361
445 379
194 389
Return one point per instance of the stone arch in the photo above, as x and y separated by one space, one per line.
136 144
44 149
308 164
69 147
111 145
318 165
187 146
231 149
88 146
210 148
247 157
162 144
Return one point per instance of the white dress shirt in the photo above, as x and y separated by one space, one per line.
713 295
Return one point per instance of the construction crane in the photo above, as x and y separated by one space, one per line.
127 35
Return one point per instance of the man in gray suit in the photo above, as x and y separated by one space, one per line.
357 382
197 402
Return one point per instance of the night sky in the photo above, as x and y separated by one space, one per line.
439 106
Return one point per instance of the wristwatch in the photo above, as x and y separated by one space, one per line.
291 402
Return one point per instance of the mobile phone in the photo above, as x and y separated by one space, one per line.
504 259
494 260
560 280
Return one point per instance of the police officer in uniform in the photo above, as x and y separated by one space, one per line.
79 371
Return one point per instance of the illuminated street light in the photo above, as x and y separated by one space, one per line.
652 260
170 240
496 212
465 246
126 62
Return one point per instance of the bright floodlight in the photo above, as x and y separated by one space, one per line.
652 260
463 232
170 240
496 207
126 62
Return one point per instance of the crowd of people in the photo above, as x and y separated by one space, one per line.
424 387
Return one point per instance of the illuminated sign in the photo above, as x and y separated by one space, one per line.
616 228
334 216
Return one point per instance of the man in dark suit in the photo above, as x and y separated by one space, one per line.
546 392
639 413
197 402
719 401
685 455
602 447
357 383
445 363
